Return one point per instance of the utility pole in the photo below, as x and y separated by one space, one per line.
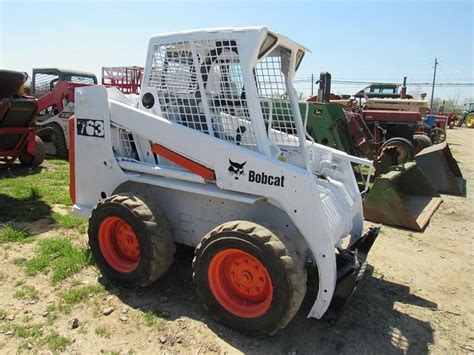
312 84
434 80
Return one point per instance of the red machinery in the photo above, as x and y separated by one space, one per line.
127 79
17 122
54 89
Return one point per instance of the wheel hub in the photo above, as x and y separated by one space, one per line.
240 283
119 244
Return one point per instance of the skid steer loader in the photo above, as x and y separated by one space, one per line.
203 161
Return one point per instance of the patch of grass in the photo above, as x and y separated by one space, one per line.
34 331
28 196
19 261
150 320
102 332
68 221
3 314
56 342
80 294
2 276
11 234
27 318
27 292
60 256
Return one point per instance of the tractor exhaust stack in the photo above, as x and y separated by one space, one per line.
402 197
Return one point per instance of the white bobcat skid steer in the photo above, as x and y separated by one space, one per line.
216 157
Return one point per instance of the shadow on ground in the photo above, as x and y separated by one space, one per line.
369 324
16 170
23 209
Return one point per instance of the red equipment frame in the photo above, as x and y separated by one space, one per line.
27 133
54 98
127 79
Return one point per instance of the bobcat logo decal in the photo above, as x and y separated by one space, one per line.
236 169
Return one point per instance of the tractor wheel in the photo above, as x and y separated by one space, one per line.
438 135
459 121
59 141
405 149
247 279
420 142
26 159
470 120
132 245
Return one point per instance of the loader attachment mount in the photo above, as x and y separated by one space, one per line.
440 167
402 197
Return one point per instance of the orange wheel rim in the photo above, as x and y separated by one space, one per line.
240 283
118 244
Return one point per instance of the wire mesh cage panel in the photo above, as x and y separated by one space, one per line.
44 83
127 145
273 92
199 79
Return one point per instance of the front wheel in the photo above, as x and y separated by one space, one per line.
132 245
26 159
420 142
247 279
403 147
438 135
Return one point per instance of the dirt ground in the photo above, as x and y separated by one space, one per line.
415 298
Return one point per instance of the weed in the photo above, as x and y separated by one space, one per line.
27 318
27 292
151 320
35 193
79 294
56 342
102 332
19 261
12 234
3 314
68 221
60 256
19 283
2 276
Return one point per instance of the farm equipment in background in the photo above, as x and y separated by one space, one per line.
54 90
467 117
127 79
17 122
400 195
206 160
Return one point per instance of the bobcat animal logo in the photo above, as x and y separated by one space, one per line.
236 169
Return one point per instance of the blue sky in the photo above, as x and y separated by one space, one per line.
365 41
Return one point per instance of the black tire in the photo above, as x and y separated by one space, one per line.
404 147
59 141
26 159
285 270
420 142
156 243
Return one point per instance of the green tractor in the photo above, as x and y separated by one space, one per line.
468 117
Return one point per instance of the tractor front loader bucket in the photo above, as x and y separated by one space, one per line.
402 197
441 169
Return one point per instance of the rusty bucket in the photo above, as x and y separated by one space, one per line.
441 169
402 197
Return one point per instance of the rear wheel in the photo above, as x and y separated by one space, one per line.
470 120
247 278
26 159
132 245
404 148
420 142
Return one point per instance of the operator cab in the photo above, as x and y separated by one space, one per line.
44 79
